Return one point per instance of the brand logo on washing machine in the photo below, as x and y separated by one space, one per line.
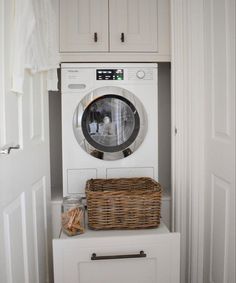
73 71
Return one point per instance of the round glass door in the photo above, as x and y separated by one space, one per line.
109 126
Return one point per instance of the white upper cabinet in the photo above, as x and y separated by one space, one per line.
83 25
133 25
115 30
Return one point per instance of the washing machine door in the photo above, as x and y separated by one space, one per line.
110 123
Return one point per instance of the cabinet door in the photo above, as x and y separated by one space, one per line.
133 25
83 25
72 260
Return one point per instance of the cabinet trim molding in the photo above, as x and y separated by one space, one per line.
114 57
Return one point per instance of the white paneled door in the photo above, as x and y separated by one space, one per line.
203 113
24 172
219 257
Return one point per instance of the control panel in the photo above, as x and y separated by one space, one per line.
75 79
110 74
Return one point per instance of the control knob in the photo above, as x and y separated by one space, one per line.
140 74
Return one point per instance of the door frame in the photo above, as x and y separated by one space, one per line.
187 83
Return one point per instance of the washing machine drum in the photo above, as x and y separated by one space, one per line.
110 123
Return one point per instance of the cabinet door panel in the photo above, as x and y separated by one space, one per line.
137 20
80 20
116 271
72 260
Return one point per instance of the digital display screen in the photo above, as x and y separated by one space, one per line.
110 74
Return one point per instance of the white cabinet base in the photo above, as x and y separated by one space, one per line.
73 257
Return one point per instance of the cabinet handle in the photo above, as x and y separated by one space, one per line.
95 37
122 37
7 149
95 257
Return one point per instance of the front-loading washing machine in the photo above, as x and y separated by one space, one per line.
109 122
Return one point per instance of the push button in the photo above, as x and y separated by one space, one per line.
140 74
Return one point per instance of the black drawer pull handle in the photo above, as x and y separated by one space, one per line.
122 37
95 37
95 257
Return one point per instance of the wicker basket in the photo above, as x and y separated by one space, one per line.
126 203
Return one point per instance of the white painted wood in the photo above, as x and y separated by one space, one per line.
146 25
24 173
79 20
188 134
163 29
40 233
12 134
36 110
114 57
179 100
72 257
133 271
137 20
219 242
196 146
15 224
203 84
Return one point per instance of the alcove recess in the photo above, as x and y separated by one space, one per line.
164 140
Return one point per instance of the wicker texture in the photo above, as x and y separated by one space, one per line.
125 203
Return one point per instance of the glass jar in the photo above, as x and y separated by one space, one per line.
73 216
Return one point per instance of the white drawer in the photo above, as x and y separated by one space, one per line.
159 264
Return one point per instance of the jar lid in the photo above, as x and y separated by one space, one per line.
72 199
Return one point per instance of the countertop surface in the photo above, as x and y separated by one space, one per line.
162 229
